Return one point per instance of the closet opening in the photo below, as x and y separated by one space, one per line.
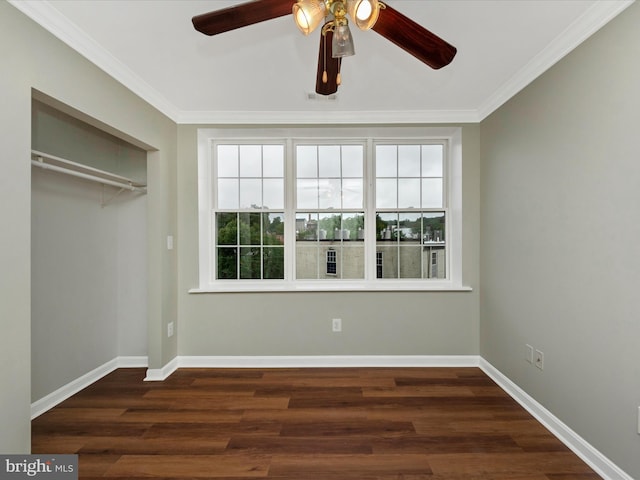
88 249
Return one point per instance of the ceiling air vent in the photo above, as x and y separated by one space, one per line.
314 97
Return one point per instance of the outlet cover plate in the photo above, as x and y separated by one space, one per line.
539 359
336 325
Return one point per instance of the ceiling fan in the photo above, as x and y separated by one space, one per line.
335 40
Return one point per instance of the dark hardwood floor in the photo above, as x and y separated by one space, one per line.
304 424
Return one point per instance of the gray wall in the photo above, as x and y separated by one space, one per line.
560 261
33 59
374 323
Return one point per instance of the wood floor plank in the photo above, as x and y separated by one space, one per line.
199 445
300 445
422 391
304 424
405 464
508 463
346 428
189 466
432 444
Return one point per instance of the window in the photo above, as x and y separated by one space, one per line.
332 267
410 207
249 221
329 209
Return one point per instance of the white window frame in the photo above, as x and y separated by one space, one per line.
450 136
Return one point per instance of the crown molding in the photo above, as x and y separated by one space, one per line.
324 117
582 28
49 18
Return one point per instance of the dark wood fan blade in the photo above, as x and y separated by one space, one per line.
220 21
413 38
326 63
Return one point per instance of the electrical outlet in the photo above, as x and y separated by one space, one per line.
539 359
336 325
170 329
529 354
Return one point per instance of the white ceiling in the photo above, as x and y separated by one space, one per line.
263 73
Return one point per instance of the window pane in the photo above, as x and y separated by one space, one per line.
273 263
331 224
227 161
433 227
228 194
306 161
227 229
307 227
409 161
386 193
433 260
410 227
273 193
227 263
352 193
352 161
386 226
273 229
410 261
250 161
432 157
329 193
432 193
250 228
386 161
250 264
306 261
389 267
353 226
307 195
250 193
409 193
329 161
353 261
273 161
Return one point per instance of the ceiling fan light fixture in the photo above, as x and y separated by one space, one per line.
364 13
342 42
307 14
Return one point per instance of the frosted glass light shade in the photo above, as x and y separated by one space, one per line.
342 43
308 14
364 13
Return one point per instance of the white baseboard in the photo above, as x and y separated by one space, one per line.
160 374
61 394
589 454
310 361
328 361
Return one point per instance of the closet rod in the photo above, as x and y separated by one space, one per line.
129 185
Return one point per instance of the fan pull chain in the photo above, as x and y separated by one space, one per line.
339 77
324 59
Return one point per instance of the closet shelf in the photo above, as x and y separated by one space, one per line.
61 165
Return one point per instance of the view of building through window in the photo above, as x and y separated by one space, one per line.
334 228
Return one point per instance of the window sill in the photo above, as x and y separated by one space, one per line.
332 286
